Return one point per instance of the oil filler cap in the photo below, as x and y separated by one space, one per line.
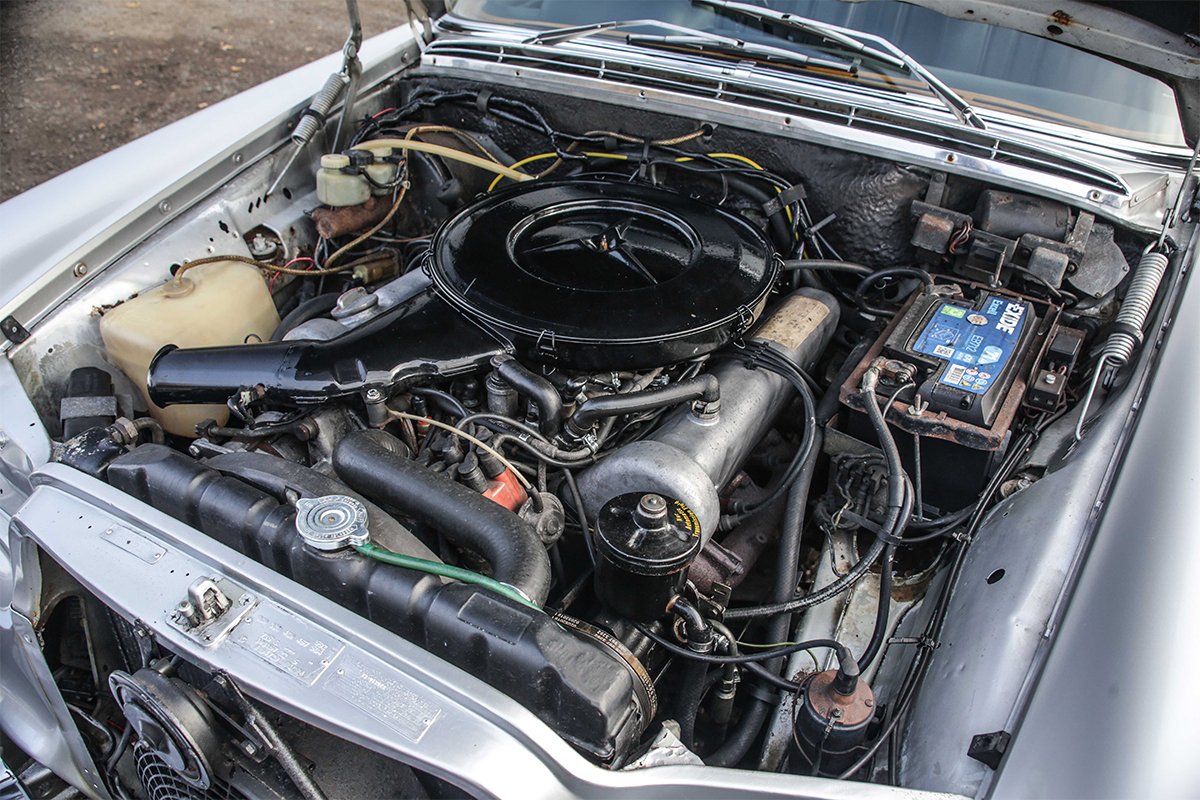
332 522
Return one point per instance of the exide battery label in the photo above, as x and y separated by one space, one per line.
977 343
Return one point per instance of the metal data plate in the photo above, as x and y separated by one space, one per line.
291 644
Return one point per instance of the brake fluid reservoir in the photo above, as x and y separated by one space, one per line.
222 303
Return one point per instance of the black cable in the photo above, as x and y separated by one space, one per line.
882 274
581 511
549 460
951 519
211 430
879 632
766 358
512 424
767 676
1056 292
920 663
892 527
826 265
815 598
900 503
843 652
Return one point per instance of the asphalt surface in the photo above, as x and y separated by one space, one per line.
81 77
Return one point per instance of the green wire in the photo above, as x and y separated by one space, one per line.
445 571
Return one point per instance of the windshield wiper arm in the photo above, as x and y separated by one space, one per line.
573 32
849 41
690 37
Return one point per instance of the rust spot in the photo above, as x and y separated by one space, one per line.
1062 18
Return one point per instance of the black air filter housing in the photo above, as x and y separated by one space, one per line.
596 274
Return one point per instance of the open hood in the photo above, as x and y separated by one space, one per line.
1159 39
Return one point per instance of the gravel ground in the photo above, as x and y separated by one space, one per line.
81 77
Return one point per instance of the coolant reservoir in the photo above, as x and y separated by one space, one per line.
222 303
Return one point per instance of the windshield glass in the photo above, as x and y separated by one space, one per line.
990 67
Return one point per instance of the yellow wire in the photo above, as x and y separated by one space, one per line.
733 156
543 156
680 160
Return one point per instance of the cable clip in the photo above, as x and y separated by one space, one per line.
546 345
924 641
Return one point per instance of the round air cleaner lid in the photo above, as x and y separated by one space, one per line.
598 274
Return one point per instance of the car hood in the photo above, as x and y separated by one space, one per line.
1159 39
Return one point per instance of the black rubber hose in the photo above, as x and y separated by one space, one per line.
541 391
830 401
313 307
890 272
900 502
777 225
702 387
879 632
464 517
446 402
808 449
693 686
825 265
815 598
738 744
893 525
280 477
778 628
788 573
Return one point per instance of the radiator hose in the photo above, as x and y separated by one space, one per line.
369 462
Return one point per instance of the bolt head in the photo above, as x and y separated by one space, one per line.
653 504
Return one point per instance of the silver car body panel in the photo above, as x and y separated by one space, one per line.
1112 712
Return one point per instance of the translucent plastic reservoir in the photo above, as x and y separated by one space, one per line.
223 303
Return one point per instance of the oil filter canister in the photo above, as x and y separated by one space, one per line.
645 543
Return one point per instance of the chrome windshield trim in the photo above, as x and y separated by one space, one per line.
763 77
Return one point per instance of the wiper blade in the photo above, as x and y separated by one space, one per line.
689 37
574 32
853 42
737 47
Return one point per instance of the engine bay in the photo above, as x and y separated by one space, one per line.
673 432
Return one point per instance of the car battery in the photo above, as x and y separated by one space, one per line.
955 363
